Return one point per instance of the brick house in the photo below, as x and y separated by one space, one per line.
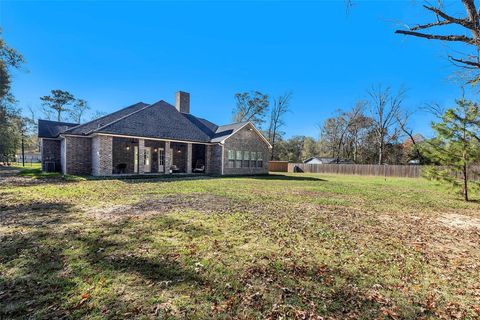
152 139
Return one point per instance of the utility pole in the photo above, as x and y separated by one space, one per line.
23 150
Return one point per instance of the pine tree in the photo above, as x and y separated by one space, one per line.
456 145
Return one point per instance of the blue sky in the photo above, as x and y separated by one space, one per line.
114 54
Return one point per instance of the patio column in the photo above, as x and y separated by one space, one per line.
141 156
168 156
208 158
189 158
102 162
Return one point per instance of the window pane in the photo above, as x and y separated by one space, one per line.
259 156
239 155
246 155
231 155
253 154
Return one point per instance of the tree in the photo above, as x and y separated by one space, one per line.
456 145
78 109
310 148
9 133
341 134
331 133
469 24
9 58
403 119
384 108
251 106
358 131
57 102
280 108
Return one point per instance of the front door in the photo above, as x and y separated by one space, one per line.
147 160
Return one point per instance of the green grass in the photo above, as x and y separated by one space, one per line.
291 246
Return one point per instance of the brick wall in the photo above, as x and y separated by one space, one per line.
102 163
246 140
50 151
78 155
214 159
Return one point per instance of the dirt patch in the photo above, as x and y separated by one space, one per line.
459 221
149 207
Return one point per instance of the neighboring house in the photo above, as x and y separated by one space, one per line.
321 160
318 160
152 138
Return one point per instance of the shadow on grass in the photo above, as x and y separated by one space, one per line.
33 284
278 177
40 261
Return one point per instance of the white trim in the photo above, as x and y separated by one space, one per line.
256 130
64 162
223 157
72 135
146 138
59 138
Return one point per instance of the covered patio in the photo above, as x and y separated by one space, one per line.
147 156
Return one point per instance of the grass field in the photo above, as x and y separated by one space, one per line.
282 246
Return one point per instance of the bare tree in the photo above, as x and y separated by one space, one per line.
280 108
403 120
468 32
358 125
384 109
78 109
251 106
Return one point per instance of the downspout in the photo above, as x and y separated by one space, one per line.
223 156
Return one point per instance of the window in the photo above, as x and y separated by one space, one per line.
253 157
231 158
260 159
246 159
161 157
135 159
238 163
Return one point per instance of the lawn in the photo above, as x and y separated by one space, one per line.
282 246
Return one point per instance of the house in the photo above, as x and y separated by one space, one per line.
322 160
319 160
156 138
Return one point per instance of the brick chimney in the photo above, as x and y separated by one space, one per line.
182 102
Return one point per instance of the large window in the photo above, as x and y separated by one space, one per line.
246 159
239 158
231 158
253 157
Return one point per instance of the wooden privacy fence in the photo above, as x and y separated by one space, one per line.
406 171
278 166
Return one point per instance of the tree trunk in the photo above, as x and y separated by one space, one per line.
380 154
465 182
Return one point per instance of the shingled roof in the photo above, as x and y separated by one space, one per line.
160 120
51 129
91 126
